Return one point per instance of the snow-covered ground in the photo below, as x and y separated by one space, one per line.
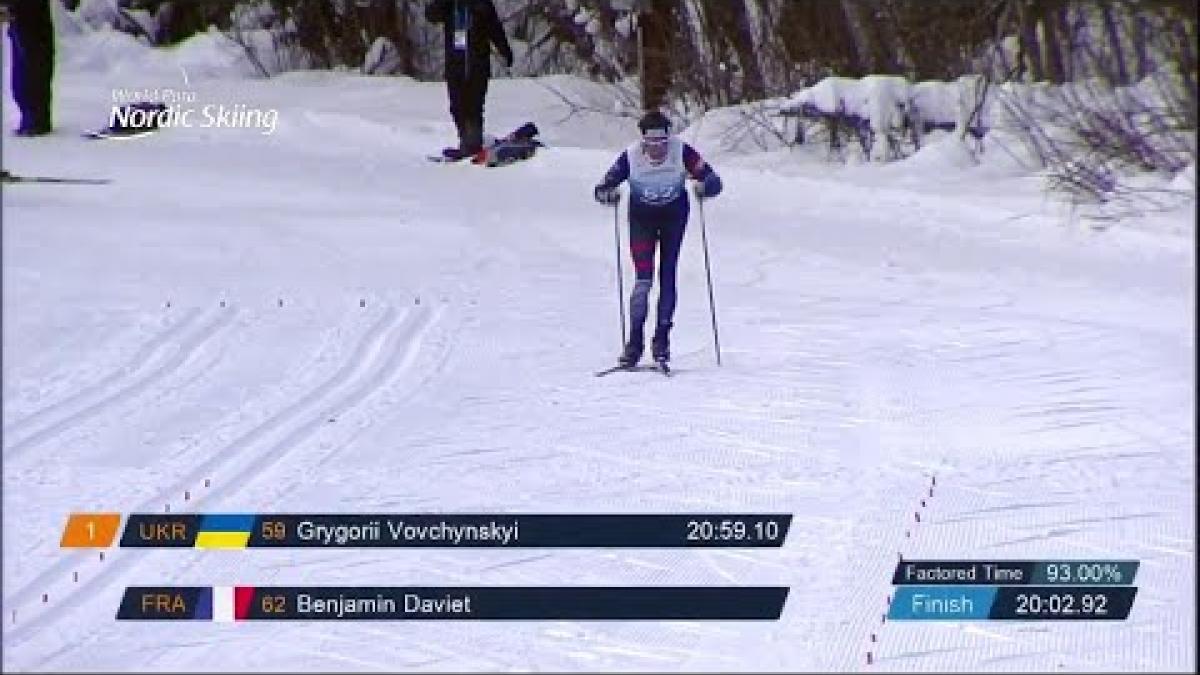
882 327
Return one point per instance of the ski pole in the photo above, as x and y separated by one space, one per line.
712 307
620 271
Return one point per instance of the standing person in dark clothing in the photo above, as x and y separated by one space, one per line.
471 27
31 30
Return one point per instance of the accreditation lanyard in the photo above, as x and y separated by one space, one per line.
462 24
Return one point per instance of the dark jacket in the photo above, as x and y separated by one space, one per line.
32 18
483 30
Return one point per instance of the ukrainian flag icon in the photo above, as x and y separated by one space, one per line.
225 530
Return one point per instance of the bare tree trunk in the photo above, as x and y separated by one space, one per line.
1030 45
1113 32
1141 43
881 37
404 44
1050 20
657 29
694 56
736 29
1187 46
707 77
1073 33
379 19
862 63
1182 19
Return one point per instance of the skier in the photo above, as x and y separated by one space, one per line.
657 168
470 27
31 30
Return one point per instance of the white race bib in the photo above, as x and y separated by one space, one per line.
656 184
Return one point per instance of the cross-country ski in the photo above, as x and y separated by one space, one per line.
6 177
662 368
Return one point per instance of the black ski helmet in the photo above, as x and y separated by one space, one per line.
654 120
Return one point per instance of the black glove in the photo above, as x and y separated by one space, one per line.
508 60
609 196
708 188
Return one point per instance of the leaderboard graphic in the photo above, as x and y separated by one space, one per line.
370 603
926 590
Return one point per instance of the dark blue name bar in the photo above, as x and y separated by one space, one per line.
731 530
417 603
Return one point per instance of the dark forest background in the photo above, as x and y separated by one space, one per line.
722 51
1128 68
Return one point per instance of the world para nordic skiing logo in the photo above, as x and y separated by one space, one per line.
136 112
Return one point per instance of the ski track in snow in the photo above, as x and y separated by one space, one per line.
871 339
166 353
378 357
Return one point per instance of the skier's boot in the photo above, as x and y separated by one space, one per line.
633 350
660 345
472 141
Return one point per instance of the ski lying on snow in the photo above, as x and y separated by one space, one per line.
449 159
114 135
6 177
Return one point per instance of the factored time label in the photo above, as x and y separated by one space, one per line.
1016 573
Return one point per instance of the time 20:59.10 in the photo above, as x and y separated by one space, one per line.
733 530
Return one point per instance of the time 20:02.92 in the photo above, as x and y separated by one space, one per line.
1061 604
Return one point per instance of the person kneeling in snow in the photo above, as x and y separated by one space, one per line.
657 168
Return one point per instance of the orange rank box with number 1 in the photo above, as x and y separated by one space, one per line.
90 530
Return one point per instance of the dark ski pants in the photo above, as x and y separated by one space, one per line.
647 233
467 94
32 67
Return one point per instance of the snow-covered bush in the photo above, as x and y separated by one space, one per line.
1086 135
886 116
